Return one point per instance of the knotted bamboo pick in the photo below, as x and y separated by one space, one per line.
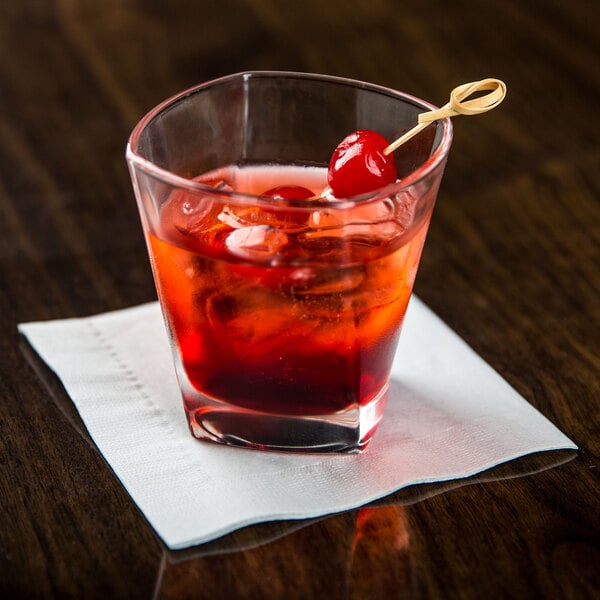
458 105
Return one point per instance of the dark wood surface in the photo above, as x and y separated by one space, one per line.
512 264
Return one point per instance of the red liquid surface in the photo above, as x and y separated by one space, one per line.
292 311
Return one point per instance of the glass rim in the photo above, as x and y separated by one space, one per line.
439 155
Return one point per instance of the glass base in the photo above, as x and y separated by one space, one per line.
346 431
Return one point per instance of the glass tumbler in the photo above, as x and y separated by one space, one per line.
283 304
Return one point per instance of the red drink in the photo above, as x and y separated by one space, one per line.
284 308
292 310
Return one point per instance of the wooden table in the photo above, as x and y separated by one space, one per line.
511 264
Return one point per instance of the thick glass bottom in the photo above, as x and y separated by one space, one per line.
347 431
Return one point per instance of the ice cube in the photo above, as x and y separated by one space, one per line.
186 214
237 217
405 204
256 242
368 213
339 280
366 234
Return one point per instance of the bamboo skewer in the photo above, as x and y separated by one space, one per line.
458 105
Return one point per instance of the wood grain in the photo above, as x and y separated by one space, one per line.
511 264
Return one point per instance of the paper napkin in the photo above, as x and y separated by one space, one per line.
449 416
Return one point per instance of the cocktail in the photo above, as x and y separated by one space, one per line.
284 283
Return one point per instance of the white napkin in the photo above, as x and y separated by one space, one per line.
449 416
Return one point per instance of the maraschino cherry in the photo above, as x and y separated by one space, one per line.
358 165
289 192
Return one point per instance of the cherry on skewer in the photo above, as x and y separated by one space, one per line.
363 160
358 165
